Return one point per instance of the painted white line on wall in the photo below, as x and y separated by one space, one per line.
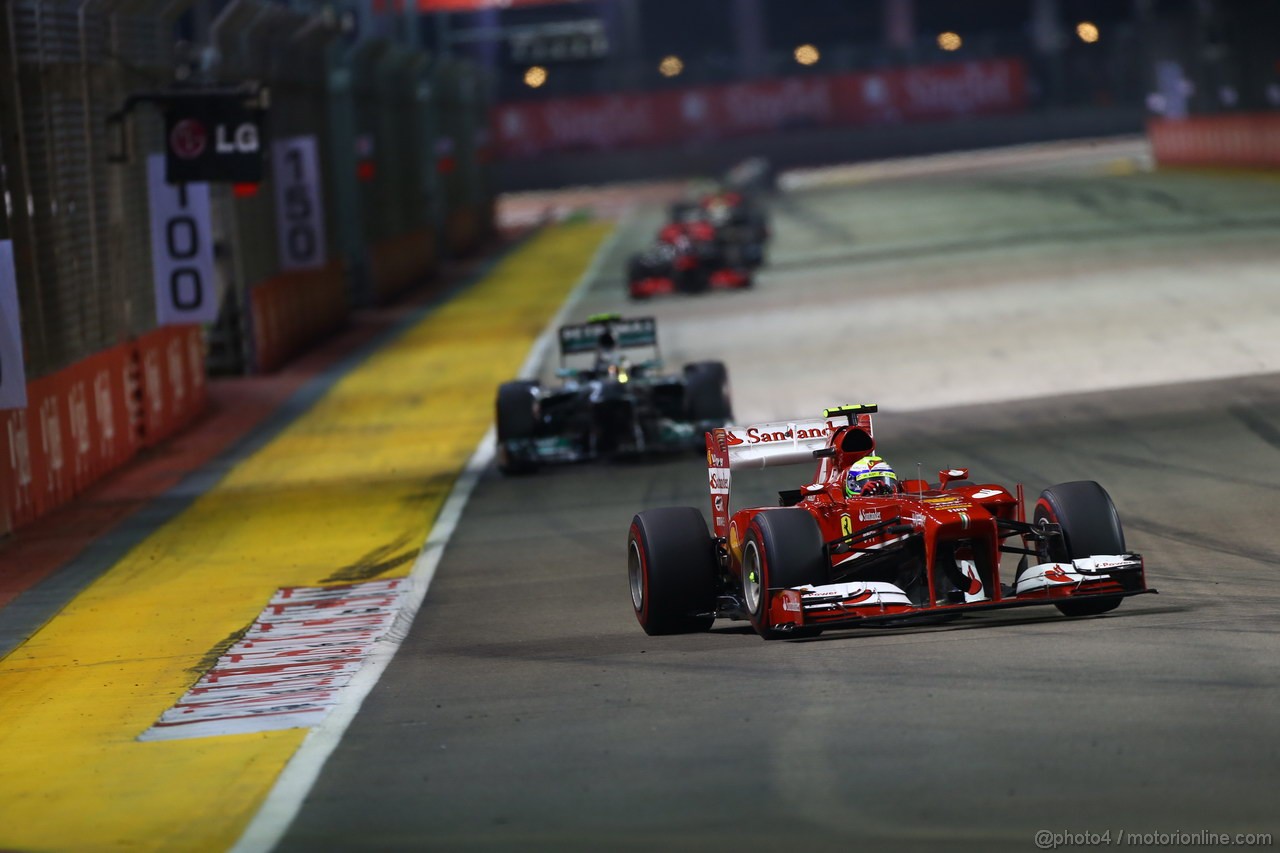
300 774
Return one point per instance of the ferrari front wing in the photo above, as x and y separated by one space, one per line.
842 605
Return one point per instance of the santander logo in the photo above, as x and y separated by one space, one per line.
1057 575
755 435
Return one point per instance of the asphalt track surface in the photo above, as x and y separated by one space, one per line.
526 709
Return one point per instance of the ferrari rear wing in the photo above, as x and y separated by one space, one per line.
767 445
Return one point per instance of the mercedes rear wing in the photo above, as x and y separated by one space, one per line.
629 333
767 445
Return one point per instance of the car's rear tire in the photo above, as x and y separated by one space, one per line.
1090 525
671 569
517 418
706 392
783 548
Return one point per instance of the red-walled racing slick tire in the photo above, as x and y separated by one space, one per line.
1090 525
671 568
783 548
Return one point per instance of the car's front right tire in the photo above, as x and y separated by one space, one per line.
783 548
517 419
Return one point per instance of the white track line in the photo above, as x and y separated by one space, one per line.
282 804
1013 158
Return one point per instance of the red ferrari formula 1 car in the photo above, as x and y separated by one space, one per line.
855 546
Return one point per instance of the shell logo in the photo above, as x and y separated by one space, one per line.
735 540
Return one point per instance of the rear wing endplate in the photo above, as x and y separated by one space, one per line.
767 445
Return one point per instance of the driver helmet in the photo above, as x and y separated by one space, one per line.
870 475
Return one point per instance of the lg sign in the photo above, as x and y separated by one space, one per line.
189 139
214 138
244 140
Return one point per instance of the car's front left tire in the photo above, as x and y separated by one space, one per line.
1090 525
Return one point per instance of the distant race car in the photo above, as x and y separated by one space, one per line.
712 243
741 226
828 557
679 263
609 405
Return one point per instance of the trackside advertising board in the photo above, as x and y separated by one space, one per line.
705 113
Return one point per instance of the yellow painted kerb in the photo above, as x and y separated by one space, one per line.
350 489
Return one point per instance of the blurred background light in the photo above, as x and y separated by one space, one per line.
670 66
807 54
1087 31
949 41
535 76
